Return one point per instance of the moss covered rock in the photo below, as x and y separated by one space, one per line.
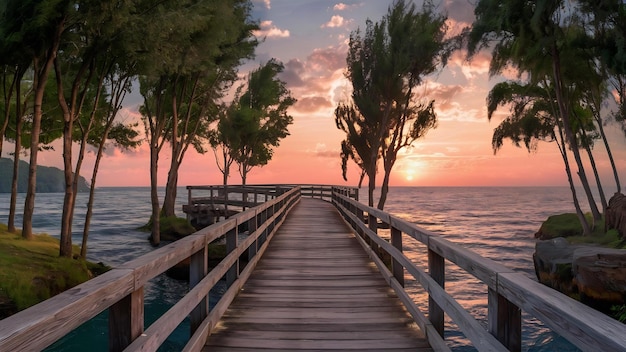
561 225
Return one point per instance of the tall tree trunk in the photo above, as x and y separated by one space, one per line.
227 164
16 172
371 185
155 236
384 189
41 78
569 133
117 94
90 201
361 178
594 168
568 170
92 188
16 157
608 152
65 249
169 202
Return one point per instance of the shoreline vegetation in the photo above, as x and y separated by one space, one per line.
31 271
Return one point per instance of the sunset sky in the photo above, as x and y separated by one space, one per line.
310 38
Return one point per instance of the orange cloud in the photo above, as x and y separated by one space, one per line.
312 104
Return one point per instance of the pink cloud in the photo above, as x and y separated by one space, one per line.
267 3
336 21
343 7
269 30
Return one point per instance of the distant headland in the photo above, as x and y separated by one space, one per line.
49 179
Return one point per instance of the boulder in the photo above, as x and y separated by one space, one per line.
553 264
615 215
600 276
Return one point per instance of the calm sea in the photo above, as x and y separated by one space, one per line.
497 223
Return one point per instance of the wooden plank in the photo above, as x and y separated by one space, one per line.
316 289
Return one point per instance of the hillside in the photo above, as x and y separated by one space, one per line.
49 179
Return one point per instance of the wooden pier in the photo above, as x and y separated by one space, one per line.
316 289
309 267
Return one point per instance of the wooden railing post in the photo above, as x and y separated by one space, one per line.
198 269
505 321
396 268
231 245
372 223
436 269
361 216
188 215
126 321
252 226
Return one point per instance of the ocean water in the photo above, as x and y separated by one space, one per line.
497 223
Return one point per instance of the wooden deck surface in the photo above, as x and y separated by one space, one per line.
316 289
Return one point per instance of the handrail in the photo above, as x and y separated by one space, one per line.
509 292
121 289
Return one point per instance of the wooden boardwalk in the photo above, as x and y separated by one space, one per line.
316 289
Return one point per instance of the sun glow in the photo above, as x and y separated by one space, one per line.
410 175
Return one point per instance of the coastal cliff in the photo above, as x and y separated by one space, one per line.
49 179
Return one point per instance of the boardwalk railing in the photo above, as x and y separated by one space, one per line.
252 195
121 290
509 292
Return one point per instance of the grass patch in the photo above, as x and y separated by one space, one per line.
32 271
609 239
567 225
171 228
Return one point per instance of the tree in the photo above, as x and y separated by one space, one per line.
186 68
355 145
606 20
385 65
532 38
106 130
14 64
39 38
260 118
533 118
224 138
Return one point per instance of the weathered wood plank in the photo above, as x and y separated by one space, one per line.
316 289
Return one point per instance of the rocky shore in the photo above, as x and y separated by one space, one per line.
592 274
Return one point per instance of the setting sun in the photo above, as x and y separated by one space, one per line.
409 174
